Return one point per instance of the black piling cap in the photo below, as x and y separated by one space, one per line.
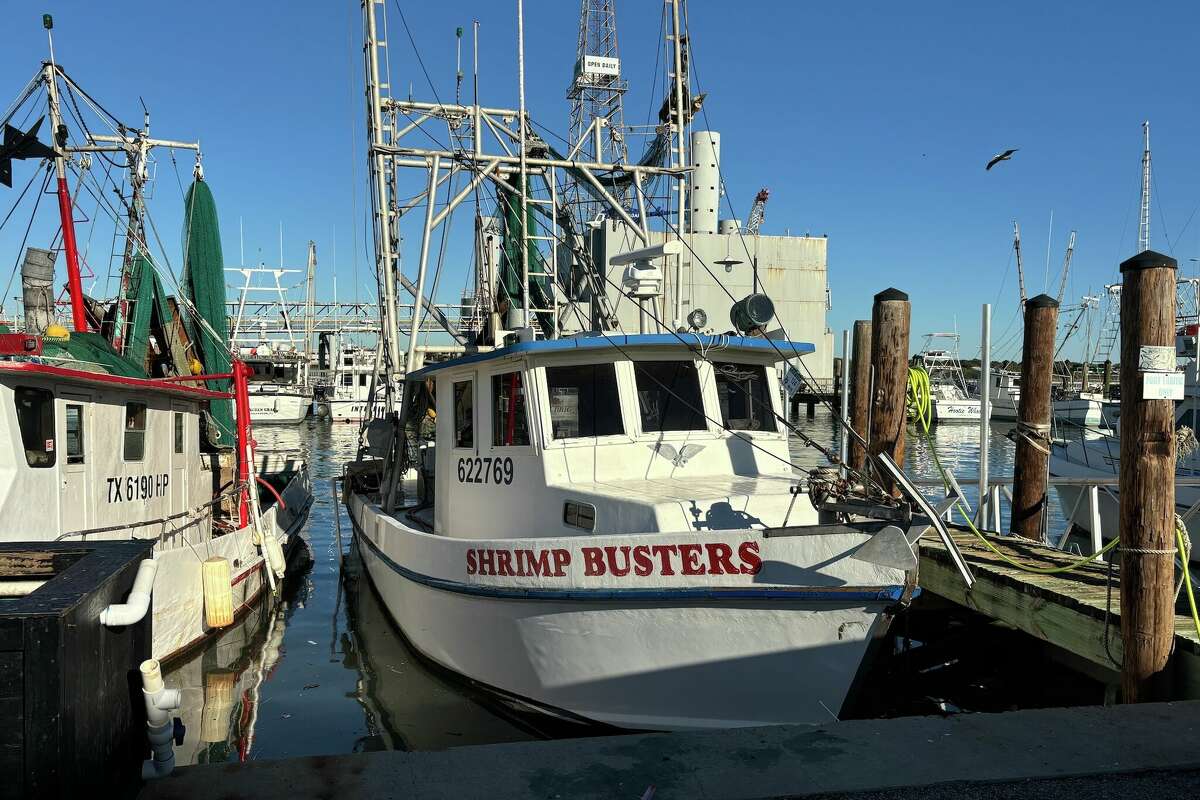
891 294
1041 301
1148 259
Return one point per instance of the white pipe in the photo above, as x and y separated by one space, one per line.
160 726
138 602
985 408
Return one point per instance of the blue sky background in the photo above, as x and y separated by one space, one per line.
870 122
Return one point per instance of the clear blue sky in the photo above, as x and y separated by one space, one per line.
870 122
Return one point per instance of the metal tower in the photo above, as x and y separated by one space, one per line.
597 118
1144 225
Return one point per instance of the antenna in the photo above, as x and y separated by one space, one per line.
597 114
1144 225
458 73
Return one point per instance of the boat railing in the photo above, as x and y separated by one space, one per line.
987 515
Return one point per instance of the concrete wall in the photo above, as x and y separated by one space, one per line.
791 269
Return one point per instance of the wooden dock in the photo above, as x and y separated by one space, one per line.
1076 611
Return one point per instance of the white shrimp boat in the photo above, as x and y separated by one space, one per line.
107 436
580 542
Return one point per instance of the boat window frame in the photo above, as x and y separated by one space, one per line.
540 412
75 459
455 382
703 380
622 434
46 410
179 432
508 369
126 431
770 389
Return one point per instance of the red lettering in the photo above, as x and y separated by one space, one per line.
720 559
751 562
471 561
504 563
690 554
593 561
519 558
487 565
642 565
561 559
539 562
664 551
611 553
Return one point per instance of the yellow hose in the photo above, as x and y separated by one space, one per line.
921 402
1185 553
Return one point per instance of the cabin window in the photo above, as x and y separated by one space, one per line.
35 416
348 361
579 515
508 415
135 431
347 379
745 399
669 396
464 414
74 433
584 401
362 380
178 431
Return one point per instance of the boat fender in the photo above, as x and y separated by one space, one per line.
273 551
218 592
138 602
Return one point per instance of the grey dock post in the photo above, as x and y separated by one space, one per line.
985 411
860 392
1033 419
1107 378
1147 477
890 317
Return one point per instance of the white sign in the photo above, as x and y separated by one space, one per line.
1156 359
791 381
1162 385
601 65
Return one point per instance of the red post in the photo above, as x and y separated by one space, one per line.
74 282
245 441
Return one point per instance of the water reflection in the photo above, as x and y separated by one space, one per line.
325 671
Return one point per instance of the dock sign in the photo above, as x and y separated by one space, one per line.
1162 385
792 381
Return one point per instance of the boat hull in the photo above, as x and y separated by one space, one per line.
279 408
665 654
178 597
956 410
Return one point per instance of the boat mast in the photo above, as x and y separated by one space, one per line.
1144 224
680 160
65 210
382 174
522 142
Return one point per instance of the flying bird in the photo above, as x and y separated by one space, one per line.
1005 156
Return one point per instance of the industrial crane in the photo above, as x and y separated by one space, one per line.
757 212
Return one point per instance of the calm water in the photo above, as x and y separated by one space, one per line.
326 672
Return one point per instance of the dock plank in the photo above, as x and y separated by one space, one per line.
1078 611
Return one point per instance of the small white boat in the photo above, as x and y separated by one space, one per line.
608 528
1005 392
347 396
950 400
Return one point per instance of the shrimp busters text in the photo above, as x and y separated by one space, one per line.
643 560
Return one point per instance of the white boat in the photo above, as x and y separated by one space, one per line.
580 542
108 438
346 398
279 394
1087 409
950 400
1005 391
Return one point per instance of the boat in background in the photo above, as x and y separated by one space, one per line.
950 399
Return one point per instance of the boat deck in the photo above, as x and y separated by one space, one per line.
1077 611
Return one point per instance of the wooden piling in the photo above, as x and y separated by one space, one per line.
1033 418
860 391
1147 478
889 362
1107 378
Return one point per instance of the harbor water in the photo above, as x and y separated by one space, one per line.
326 671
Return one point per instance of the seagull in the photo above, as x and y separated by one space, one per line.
1005 156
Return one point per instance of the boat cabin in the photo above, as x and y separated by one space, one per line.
602 434
90 452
